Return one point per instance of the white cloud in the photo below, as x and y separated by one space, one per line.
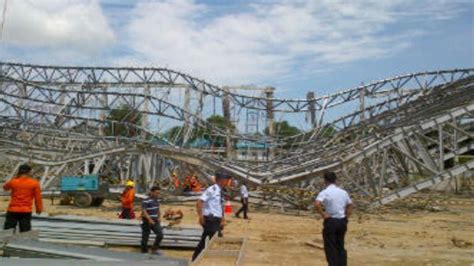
273 40
264 43
63 26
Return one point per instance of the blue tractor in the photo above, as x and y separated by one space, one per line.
83 190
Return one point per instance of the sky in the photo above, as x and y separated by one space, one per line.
294 46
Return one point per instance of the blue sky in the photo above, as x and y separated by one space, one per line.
293 45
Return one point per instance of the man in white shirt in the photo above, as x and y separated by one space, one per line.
338 209
244 198
210 210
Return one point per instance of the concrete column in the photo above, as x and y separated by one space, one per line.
103 113
61 109
86 167
362 103
187 119
229 149
21 102
271 126
145 109
441 148
310 96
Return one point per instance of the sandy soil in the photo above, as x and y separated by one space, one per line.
399 235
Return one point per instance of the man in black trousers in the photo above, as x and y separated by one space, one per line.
210 210
244 198
338 209
151 221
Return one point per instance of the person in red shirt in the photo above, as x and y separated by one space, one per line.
127 198
23 189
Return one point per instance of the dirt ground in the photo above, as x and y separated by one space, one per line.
441 233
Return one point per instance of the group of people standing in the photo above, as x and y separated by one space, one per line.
336 212
333 204
209 209
189 184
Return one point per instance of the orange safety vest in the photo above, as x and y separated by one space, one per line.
197 187
176 181
127 198
24 189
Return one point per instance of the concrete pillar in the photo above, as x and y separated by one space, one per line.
271 126
86 167
187 119
229 149
310 96
362 103
441 148
103 113
144 115
61 109
21 102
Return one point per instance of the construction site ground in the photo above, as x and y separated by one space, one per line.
411 232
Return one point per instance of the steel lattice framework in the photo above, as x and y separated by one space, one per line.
386 139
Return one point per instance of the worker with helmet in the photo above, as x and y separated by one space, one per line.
175 181
127 198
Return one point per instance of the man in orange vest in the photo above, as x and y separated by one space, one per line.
127 198
23 189
175 181
195 185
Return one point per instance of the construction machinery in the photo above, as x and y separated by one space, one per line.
83 190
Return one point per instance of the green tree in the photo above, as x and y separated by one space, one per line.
217 121
175 134
122 121
283 129
328 131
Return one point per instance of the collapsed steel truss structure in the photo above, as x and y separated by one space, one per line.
386 139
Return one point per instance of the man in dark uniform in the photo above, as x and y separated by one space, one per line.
210 210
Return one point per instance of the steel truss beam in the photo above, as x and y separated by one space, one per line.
386 149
